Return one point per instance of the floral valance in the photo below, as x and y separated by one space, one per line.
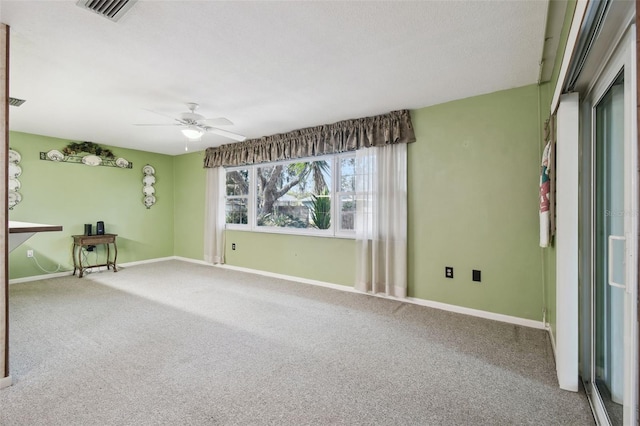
349 135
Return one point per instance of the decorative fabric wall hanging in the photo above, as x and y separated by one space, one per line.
87 153
547 187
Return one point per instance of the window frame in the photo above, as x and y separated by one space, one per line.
333 231
242 226
335 206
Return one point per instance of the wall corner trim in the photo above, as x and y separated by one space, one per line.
552 338
567 208
567 56
5 382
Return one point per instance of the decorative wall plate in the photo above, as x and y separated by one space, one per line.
15 198
14 156
14 184
121 162
149 180
55 155
148 170
14 170
149 200
91 160
148 190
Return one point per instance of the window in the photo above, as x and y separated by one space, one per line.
294 197
346 195
237 199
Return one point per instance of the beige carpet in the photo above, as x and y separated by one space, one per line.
175 343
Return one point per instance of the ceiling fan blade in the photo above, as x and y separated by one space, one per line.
226 134
173 124
159 113
220 121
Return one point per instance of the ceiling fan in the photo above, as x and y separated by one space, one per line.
194 125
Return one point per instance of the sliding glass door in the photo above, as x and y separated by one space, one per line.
609 364
608 289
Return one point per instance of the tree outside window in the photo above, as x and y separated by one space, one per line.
295 195
237 199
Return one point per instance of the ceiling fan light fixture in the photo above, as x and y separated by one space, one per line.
192 133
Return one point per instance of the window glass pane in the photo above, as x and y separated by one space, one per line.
321 211
294 195
347 200
236 211
347 212
347 174
238 182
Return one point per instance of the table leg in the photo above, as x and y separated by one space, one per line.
80 262
115 255
73 256
108 255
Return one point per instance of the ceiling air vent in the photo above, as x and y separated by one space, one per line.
110 9
16 102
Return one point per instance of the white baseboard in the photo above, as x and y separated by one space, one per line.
552 338
422 302
143 262
416 301
6 382
39 277
289 278
478 313
66 273
196 261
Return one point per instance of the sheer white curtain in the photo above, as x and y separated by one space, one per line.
214 215
381 220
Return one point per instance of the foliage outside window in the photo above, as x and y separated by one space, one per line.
293 197
237 198
346 195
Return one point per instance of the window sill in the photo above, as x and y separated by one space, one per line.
285 231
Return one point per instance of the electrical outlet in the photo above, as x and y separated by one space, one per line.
448 271
233 246
476 275
29 253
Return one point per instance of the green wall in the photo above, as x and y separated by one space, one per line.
473 203
318 258
74 194
473 182
473 176
189 196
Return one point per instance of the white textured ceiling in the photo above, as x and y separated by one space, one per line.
269 67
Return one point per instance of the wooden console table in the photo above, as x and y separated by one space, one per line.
80 241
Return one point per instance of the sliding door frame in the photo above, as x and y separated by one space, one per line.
4 211
623 57
637 69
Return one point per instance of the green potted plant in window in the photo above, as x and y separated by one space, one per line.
321 210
